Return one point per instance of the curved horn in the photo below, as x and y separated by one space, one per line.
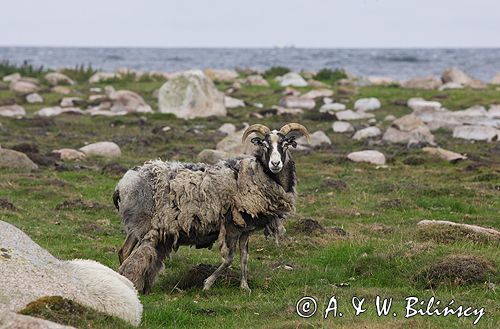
257 128
288 128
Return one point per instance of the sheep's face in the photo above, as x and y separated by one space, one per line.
273 149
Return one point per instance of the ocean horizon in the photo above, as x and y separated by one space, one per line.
397 63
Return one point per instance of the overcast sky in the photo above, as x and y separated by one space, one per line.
251 23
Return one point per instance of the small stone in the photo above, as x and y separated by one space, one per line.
479 133
297 102
34 98
332 107
70 154
367 104
12 111
55 78
369 132
318 93
227 129
103 149
232 103
444 154
292 79
370 156
342 127
63 90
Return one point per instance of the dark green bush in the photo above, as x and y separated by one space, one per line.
331 76
276 71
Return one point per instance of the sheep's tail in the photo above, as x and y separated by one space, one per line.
116 199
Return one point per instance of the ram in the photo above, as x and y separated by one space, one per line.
164 205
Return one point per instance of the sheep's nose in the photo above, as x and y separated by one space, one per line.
275 163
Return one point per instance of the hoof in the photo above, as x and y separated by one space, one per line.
245 287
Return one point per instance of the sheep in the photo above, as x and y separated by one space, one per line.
164 205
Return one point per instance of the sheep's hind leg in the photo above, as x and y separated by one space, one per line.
244 260
227 250
127 248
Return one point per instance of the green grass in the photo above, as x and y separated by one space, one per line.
382 254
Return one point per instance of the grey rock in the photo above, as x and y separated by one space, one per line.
12 111
370 156
478 133
292 79
342 127
56 78
129 102
34 98
102 149
15 160
297 102
367 104
365 133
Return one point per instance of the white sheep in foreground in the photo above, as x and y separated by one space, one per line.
167 204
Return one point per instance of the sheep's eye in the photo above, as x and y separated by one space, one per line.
265 144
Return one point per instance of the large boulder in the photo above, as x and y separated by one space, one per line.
292 79
15 160
56 78
427 83
367 104
12 111
29 273
297 102
370 156
221 75
191 95
102 149
129 102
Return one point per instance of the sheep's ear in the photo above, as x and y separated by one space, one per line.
290 141
256 141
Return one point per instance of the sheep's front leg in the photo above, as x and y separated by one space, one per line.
145 262
127 248
244 260
227 251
